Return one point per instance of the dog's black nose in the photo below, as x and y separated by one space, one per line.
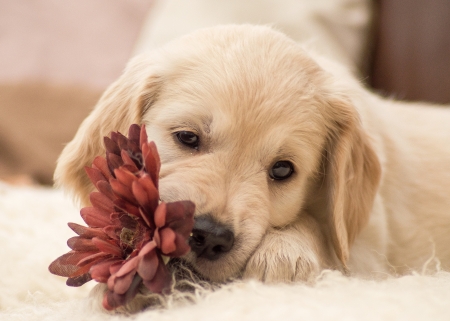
210 239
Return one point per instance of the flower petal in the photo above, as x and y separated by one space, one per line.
127 207
180 217
146 195
87 232
160 215
102 202
122 283
147 218
162 280
150 188
143 136
94 217
100 271
125 177
111 280
109 247
113 300
124 220
66 264
94 175
105 188
147 248
182 246
101 164
128 266
79 280
114 161
77 243
180 211
168 237
134 133
129 163
148 265
151 161
140 194
112 231
122 191
109 302
134 152
94 258
157 238
111 146
120 139
114 268
82 270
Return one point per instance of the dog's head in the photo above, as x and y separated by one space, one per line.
251 129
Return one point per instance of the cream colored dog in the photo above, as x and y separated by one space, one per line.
293 166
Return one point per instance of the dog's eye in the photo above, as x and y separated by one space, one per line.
188 139
281 170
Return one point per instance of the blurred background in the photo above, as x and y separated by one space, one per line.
57 57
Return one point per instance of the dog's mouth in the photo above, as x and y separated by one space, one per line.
192 268
219 251
187 277
217 268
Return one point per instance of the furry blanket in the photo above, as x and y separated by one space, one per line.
33 232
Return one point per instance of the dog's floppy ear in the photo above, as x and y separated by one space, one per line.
122 104
352 175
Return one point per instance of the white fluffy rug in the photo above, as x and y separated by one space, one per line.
33 232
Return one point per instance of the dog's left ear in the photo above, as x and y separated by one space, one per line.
121 105
352 175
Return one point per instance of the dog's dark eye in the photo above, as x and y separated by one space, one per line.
188 139
281 170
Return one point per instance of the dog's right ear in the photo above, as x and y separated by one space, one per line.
122 104
352 176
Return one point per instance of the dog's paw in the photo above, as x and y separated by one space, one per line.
286 255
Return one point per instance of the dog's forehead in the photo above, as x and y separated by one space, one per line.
251 104
252 77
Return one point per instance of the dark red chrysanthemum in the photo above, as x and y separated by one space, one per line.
129 229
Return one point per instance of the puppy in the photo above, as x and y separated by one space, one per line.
293 166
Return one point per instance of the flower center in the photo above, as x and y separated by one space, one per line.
127 236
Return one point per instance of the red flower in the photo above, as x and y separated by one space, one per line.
129 229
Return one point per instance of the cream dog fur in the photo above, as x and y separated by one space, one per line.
369 193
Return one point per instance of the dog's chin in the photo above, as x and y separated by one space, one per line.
183 270
217 271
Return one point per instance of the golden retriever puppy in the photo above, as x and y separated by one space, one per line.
293 166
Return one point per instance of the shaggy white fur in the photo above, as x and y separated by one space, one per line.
33 232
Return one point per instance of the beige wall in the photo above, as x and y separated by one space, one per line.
56 58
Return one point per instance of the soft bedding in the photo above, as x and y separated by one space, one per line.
33 232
